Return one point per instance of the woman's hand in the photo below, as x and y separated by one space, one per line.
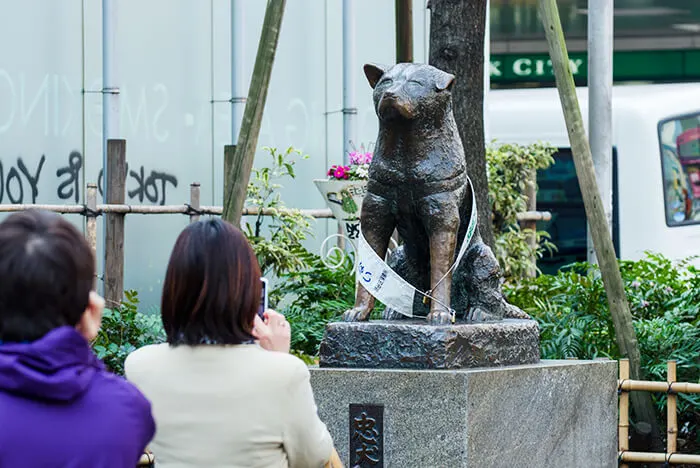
273 333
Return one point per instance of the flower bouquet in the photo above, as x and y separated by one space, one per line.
344 190
357 170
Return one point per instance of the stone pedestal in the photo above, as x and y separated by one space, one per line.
414 344
559 414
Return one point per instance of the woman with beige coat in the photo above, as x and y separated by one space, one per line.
225 391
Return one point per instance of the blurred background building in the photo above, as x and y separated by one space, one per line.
655 41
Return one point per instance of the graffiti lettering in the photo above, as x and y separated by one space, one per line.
70 187
33 181
13 185
148 186
140 184
19 182
14 175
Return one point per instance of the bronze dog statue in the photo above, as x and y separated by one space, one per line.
418 185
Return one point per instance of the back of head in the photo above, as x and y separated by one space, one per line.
212 288
47 270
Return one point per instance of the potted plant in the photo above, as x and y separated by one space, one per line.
345 188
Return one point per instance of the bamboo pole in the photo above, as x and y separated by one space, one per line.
531 224
671 410
114 223
229 155
661 387
161 209
624 422
650 457
534 216
63 209
194 201
91 224
206 210
595 214
239 175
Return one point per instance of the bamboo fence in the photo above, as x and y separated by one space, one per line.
672 388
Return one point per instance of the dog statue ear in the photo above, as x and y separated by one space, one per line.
444 81
374 73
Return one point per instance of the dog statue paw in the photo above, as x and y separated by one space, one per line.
477 314
440 318
356 314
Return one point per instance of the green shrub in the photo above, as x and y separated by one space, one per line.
572 311
316 296
277 239
124 330
509 166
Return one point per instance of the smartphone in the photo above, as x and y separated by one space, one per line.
263 297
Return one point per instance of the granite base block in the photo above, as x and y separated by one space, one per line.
559 414
412 344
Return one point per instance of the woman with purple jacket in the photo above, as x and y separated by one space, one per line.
59 407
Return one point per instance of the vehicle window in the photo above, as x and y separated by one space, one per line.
559 193
680 162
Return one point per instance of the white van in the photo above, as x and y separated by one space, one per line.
656 167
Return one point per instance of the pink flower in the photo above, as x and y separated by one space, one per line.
357 158
332 170
339 173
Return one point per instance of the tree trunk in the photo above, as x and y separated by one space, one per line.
457 47
595 214
239 174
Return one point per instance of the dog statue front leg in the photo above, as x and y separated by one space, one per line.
378 224
440 214
442 250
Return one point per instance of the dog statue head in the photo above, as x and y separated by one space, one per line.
408 91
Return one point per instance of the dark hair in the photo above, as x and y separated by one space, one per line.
47 270
212 286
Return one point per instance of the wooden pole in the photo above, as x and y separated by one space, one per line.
624 422
404 30
239 175
671 410
229 155
595 214
114 223
194 201
91 222
531 194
